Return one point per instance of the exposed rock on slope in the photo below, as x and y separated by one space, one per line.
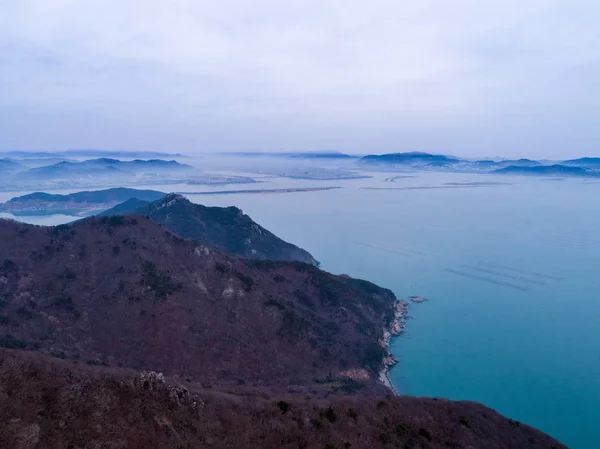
56 404
124 291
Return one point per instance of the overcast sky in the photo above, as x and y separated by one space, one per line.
467 77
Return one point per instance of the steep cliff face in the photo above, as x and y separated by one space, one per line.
124 291
226 228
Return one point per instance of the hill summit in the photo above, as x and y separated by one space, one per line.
226 228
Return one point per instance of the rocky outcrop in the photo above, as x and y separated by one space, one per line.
54 403
394 329
124 291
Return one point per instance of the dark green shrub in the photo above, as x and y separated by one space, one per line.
113 220
63 230
373 356
304 299
221 267
162 284
9 266
68 274
283 406
401 429
25 312
274 303
248 282
10 342
425 434
384 438
65 301
351 386
330 415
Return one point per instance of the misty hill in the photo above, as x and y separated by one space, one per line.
104 167
54 403
8 165
69 169
124 154
410 159
321 155
543 170
485 164
124 291
80 203
226 228
295 155
519 163
589 162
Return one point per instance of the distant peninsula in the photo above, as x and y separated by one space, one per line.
413 158
543 170
294 155
78 204
104 166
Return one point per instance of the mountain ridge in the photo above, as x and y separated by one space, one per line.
124 290
79 203
226 228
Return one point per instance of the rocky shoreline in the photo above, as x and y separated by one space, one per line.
395 329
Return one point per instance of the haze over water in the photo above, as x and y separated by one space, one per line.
510 271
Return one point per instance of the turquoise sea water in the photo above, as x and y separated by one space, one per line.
510 271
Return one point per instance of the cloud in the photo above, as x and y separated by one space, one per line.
464 76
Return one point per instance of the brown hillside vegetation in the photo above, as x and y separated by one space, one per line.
124 291
51 403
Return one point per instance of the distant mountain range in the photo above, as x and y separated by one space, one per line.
120 333
8 165
79 204
226 228
411 159
294 155
545 170
264 353
90 153
584 167
589 162
104 167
